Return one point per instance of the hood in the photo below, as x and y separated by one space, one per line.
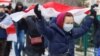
19 4
60 18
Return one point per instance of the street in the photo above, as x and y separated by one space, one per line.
89 53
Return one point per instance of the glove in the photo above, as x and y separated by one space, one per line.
37 12
92 10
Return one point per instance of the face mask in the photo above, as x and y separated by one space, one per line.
68 27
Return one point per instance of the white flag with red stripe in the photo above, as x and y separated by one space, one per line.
52 9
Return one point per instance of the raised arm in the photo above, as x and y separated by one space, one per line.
77 32
42 24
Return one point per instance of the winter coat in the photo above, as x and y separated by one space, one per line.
33 32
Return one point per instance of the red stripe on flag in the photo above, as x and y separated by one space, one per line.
11 29
5 1
59 7
87 12
30 8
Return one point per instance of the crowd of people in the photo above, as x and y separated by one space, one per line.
57 36
26 29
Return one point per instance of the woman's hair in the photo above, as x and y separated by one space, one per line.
68 14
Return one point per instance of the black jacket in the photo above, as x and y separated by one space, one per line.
32 30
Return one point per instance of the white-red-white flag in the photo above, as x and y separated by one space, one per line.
52 9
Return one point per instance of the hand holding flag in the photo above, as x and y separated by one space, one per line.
37 11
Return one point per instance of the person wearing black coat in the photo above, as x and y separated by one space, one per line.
32 48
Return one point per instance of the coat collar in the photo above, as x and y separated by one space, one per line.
59 30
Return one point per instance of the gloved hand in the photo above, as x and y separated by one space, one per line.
37 12
94 14
92 10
